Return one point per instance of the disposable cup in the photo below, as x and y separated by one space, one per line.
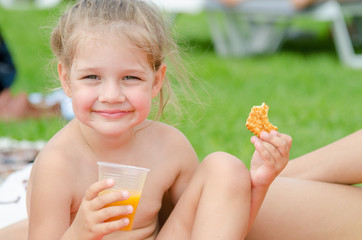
127 178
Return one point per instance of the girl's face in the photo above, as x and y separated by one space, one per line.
111 84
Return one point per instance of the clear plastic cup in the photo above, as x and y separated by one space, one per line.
127 178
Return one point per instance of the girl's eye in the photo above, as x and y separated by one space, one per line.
92 77
131 78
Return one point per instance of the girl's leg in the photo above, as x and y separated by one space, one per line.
16 231
338 162
301 209
215 205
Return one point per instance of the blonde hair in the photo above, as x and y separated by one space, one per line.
140 21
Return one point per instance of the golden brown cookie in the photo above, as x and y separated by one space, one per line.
258 120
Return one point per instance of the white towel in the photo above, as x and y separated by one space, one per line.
13 197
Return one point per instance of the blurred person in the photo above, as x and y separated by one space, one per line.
301 4
23 105
10 107
7 67
298 4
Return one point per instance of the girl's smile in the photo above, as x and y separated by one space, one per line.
112 114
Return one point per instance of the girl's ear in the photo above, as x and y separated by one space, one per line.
159 78
63 76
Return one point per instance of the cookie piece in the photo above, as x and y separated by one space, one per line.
258 120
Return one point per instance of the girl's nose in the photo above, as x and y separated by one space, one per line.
111 93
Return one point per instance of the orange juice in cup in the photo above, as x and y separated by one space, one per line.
132 200
127 178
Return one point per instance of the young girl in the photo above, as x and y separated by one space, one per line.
112 64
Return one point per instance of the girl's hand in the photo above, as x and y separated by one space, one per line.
270 157
89 222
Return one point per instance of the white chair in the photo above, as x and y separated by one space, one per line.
260 26
25 4
174 7
180 6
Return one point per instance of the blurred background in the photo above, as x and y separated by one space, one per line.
313 96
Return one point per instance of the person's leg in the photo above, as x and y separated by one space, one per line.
5 97
301 209
215 205
18 107
301 4
338 162
16 231
230 3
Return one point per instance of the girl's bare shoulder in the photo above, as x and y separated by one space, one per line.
165 131
59 152
58 144
56 165
170 140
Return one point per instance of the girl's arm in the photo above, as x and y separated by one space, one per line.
338 162
51 196
270 157
49 199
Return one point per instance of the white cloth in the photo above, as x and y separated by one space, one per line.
13 197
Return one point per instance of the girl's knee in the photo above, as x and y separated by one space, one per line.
227 170
224 163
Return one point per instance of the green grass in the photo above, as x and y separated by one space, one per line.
311 95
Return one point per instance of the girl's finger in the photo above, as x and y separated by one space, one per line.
268 152
108 197
288 139
93 191
114 211
109 227
281 141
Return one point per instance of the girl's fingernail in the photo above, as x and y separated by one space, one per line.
274 133
129 209
254 138
110 181
125 194
257 144
126 221
264 134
